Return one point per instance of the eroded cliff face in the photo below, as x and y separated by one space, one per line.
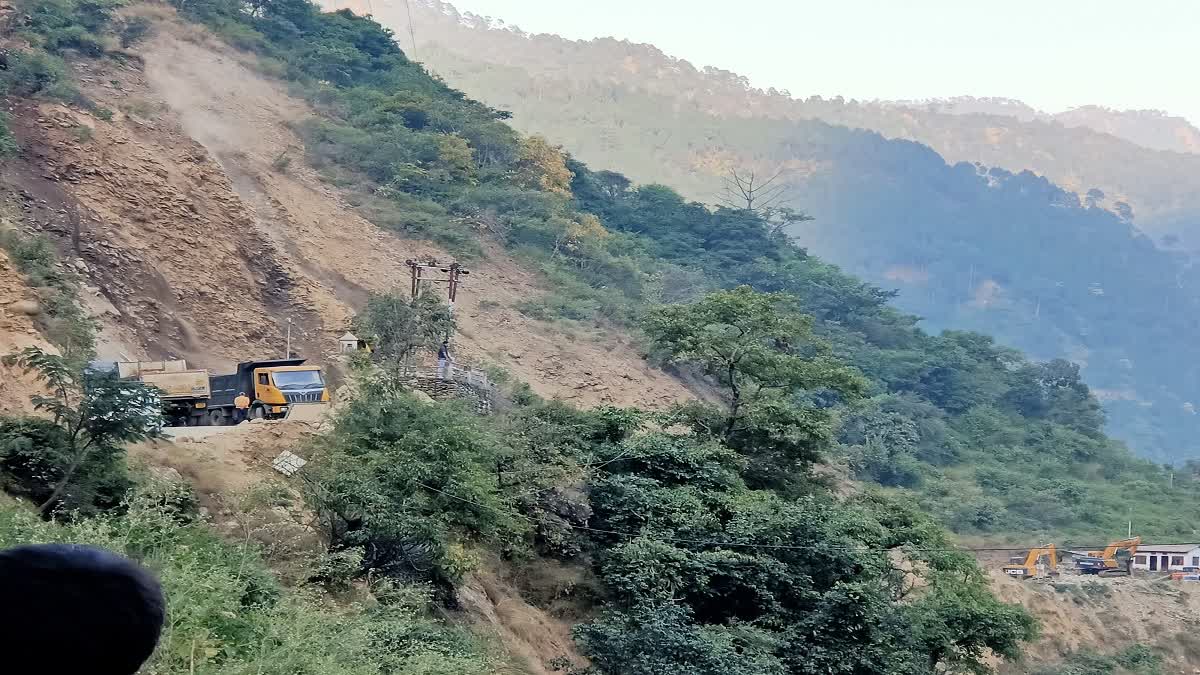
200 230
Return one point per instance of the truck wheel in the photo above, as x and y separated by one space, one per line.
216 417
258 412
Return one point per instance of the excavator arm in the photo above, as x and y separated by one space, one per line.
1106 563
1029 569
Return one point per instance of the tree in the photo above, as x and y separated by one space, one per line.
543 166
396 326
661 639
98 413
862 586
783 218
408 481
764 356
752 192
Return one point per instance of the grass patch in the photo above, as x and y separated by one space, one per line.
61 318
1136 659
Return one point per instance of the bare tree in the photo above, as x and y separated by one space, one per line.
751 192
781 218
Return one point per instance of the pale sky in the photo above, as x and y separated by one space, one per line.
1052 54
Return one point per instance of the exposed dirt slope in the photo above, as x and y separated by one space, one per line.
1106 616
18 303
324 257
220 462
197 247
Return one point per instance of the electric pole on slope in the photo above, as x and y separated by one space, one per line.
433 273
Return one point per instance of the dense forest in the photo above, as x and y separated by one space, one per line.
968 247
715 536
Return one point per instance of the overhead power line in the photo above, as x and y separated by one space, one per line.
786 547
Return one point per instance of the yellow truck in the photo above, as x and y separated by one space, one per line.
182 390
195 397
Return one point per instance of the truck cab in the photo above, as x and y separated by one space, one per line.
277 387
272 386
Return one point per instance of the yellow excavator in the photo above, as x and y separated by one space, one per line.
1027 567
1115 560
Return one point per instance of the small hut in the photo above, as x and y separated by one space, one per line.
349 343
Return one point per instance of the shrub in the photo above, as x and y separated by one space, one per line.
62 320
407 481
8 144
228 615
32 72
132 30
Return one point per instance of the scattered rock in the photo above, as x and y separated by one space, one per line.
166 473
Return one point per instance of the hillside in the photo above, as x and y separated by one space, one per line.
1153 129
1003 252
803 510
203 251
490 59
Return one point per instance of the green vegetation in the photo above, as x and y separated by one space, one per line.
987 441
761 352
94 415
60 317
228 612
714 544
1003 252
229 616
724 578
709 563
397 327
1134 660
409 483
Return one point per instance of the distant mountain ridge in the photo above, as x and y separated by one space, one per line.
1153 129
478 54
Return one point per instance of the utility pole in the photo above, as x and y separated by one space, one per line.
428 272
288 355
412 35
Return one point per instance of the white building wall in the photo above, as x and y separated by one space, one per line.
1174 560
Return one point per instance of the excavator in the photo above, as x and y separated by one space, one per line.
1028 566
1116 560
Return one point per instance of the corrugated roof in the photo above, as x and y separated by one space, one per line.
1166 548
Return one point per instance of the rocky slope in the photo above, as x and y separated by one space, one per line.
18 309
198 247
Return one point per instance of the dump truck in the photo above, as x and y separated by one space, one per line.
273 387
181 389
196 397
1031 565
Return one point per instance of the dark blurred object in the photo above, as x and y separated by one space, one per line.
70 609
